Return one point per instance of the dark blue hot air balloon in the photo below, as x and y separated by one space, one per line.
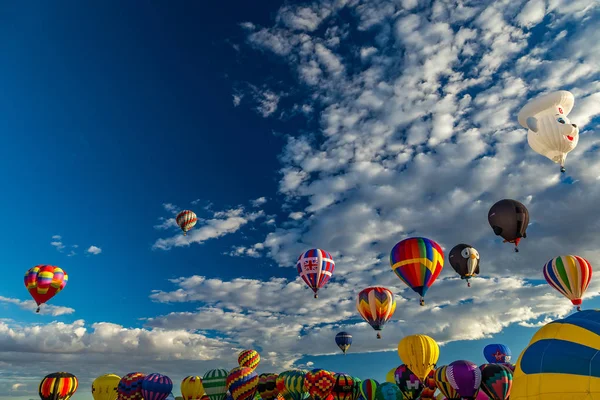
156 387
343 340
497 353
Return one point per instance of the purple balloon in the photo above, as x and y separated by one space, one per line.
465 378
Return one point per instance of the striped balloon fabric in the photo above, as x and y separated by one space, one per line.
130 386
376 305
44 281
368 389
156 387
267 386
58 386
570 276
249 359
242 383
215 383
186 220
315 267
443 384
294 384
343 389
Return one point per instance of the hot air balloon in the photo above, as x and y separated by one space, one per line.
510 366
465 378
186 220
249 359
267 386
368 389
58 386
391 376
443 384
509 219
344 341
130 386
318 383
549 131
156 387
192 388
242 383
497 353
343 389
215 383
280 385
420 353
315 267
429 387
376 305
561 361
294 385
464 259
408 383
388 391
44 281
496 381
356 389
569 275
417 262
105 386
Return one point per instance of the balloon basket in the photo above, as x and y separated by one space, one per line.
316 296
468 284
378 336
38 310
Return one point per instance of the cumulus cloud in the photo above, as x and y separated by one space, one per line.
259 202
30 305
94 250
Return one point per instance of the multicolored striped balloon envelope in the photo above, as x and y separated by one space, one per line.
45 281
58 386
294 384
267 386
249 359
156 387
376 305
315 267
442 383
130 386
215 383
570 276
496 381
186 220
417 261
319 383
242 383
343 389
368 389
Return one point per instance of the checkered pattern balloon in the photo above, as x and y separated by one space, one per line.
318 383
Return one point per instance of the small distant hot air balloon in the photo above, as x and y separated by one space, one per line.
215 383
417 262
420 353
570 276
368 389
315 267
497 353
343 341
443 384
104 387
156 387
192 388
44 281
186 220
408 383
464 259
242 383
58 386
465 378
376 305
319 383
267 386
496 381
549 131
249 359
509 219
388 391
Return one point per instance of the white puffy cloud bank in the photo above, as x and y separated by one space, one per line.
413 106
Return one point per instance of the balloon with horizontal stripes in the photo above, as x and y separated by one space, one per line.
242 383
249 359
570 275
58 386
215 383
417 261
315 267
376 305
343 389
44 282
343 341
267 386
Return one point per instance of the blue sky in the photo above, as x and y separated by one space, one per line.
345 125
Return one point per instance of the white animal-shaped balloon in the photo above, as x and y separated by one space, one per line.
550 133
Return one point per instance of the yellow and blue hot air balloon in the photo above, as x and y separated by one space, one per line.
561 362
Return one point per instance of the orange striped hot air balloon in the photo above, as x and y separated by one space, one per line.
249 359
376 305
58 386
570 276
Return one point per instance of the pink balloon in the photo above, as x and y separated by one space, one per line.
482 396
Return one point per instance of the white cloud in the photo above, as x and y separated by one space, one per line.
57 237
45 309
58 245
94 250
296 215
237 99
171 208
259 202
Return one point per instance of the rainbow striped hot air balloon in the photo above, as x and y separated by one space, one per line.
443 384
417 262
45 281
249 359
294 384
242 383
368 389
315 267
58 386
376 305
569 275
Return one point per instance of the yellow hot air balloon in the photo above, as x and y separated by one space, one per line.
192 388
420 353
391 376
104 387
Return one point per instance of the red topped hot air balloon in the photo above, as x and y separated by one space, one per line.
44 282
186 220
